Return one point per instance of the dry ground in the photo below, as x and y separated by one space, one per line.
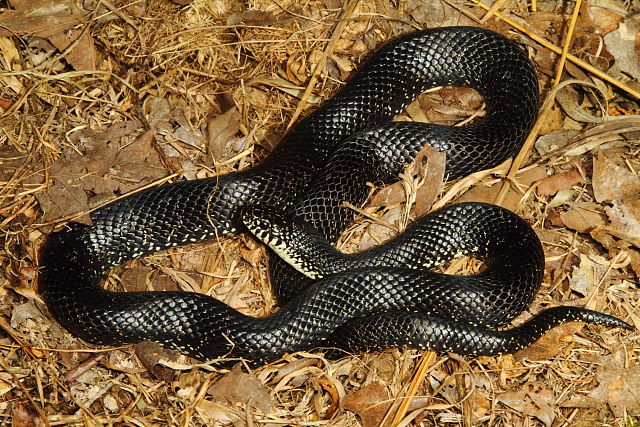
100 98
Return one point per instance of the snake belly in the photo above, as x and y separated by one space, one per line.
75 259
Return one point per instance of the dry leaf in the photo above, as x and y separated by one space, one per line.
561 181
23 415
607 16
548 346
622 43
40 18
53 20
220 130
218 412
83 55
239 387
523 402
588 274
150 354
371 403
617 387
625 220
554 141
583 217
103 171
612 179
252 17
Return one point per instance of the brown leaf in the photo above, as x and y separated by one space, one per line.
625 220
40 18
583 217
430 164
252 17
529 402
561 181
150 354
617 387
548 347
137 278
240 387
433 163
612 179
22 415
607 19
83 55
103 171
220 131
622 43
371 403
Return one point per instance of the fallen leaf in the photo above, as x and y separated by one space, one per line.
583 217
429 167
221 130
40 18
217 412
82 56
371 403
53 20
28 310
378 232
23 415
622 43
137 278
150 354
240 387
607 16
625 220
561 181
554 141
104 170
587 275
252 17
612 179
548 346
617 387
522 402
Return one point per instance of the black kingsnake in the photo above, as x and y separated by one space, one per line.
316 167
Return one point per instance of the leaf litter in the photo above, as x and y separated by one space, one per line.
216 83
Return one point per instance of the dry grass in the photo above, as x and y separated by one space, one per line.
202 60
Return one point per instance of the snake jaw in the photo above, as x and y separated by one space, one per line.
297 243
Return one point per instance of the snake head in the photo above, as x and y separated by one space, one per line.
295 241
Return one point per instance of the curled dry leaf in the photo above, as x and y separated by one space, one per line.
607 15
150 354
548 346
554 141
23 415
26 311
428 167
623 45
588 274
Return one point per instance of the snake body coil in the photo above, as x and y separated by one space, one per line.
325 153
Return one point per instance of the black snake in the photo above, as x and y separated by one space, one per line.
326 159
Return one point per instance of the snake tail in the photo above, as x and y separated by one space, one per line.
434 333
